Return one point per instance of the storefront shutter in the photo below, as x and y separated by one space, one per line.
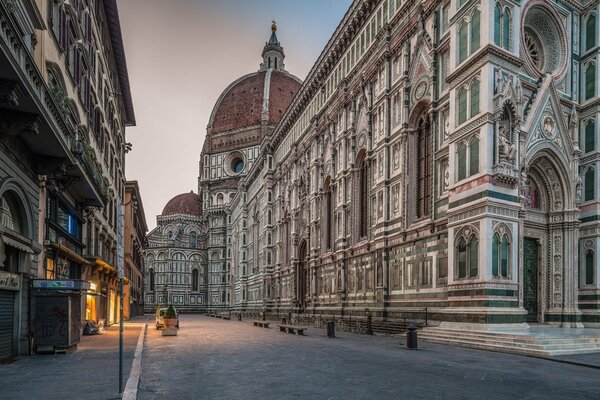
6 322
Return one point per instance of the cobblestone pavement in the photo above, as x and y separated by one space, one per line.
216 359
90 373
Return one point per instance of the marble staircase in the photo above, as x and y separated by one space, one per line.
537 341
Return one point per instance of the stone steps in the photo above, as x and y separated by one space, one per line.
542 345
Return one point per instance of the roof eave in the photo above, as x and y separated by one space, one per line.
114 28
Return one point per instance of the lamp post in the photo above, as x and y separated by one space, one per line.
120 270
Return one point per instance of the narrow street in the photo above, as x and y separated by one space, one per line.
91 372
216 359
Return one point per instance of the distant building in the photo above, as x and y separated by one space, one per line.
64 105
134 241
439 156
197 278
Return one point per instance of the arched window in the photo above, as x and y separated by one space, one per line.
462 161
220 199
268 258
474 156
269 62
500 255
467 257
462 105
590 32
589 184
475 31
424 167
151 274
194 280
11 214
275 62
498 25
474 98
590 136
463 41
590 81
363 193
193 240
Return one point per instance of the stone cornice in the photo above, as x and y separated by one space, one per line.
488 54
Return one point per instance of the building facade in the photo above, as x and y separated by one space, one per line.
440 157
62 158
135 229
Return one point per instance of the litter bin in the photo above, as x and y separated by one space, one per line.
239 317
330 329
411 338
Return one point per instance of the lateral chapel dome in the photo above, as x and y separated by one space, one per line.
185 203
266 93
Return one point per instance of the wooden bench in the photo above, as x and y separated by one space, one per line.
298 330
261 324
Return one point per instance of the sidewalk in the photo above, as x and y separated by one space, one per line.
91 372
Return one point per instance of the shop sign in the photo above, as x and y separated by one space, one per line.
9 281
60 284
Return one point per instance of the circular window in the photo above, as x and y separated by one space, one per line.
237 165
544 42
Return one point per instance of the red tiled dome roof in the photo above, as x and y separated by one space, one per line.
186 203
241 104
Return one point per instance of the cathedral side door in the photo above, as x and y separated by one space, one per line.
530 278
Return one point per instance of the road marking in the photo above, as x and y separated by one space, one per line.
131 388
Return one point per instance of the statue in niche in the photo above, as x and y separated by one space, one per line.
396 157
506 149
578 191
534 196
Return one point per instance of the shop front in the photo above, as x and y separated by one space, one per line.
102 300
10 285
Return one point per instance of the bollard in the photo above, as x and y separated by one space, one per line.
239 317
330 329
411 338
369 325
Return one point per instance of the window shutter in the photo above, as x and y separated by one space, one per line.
462 161
474 98
589 136
504 258
474 156
590 32
475 28
506 30
497 24
589 184
473 257
462 106
495 248
589 267
463 37
590 81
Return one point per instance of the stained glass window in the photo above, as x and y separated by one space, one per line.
474 156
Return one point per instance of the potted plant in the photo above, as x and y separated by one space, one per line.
170 318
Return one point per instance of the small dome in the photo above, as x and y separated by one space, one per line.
186 203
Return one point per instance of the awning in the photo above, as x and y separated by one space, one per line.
17 245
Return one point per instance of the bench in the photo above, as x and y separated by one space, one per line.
261 324
298 330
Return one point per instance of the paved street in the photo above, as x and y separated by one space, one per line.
89 373
216 359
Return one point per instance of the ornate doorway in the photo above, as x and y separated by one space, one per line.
530 278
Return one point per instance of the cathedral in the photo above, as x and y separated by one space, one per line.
439 159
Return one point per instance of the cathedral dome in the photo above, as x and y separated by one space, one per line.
258 97
243 103
185 203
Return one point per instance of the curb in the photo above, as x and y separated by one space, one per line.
131 388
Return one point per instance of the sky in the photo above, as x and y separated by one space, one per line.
181 54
